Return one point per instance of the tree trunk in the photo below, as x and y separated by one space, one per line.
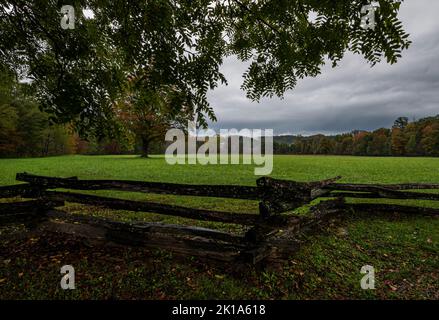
145 147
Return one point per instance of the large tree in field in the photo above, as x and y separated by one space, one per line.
79 73
148 114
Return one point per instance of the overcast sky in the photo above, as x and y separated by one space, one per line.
351 96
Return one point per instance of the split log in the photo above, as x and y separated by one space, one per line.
391 208
375 191
153 207
181 240
147 227
403 186
18 190
320 213
294 185
218 191
392 194
284 195
292 224
271 241
30 213
272 205
360 195
257 254
260 233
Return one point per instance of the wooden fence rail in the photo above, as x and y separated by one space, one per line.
16 190
153 207
218 191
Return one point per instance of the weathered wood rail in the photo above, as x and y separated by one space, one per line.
261 238
222 191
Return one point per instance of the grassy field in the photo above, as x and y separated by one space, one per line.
404 250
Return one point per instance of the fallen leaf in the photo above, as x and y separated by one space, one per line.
393 288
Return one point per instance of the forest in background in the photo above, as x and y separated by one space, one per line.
26 131
416 138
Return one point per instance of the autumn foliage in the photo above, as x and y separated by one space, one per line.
417 138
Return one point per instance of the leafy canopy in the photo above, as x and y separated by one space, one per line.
79 73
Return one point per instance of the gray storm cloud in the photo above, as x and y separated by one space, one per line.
351 96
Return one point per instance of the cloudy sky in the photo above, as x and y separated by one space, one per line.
351 96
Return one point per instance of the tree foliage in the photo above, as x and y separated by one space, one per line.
79 73
24 129
146 114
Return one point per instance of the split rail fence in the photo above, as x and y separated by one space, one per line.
265 232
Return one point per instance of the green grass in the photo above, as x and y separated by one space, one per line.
301 168
404 250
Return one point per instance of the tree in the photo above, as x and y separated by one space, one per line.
9 138
56 140
361 143
345 146
430 139
401 123
413 138
8 115
325 146
78 73
31 126
149 114
379 145
399 142
24 129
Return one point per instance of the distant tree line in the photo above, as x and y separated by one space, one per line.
417 138
26 131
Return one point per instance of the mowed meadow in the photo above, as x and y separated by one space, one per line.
403 249
300 168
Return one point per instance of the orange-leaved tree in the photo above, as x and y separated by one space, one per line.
146 112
